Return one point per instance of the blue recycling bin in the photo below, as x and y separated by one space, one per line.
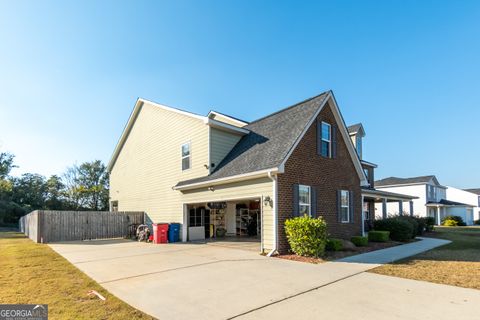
174 232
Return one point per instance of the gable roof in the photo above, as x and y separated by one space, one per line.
356 128
393 181
476 191
272 139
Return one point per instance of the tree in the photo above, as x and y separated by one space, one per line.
55 194
6 164
30 190
93 177
73 188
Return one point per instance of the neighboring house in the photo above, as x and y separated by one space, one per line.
370 195
216 173
432 200
470 197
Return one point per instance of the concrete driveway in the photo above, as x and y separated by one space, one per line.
208 281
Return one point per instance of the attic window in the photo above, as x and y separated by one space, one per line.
186 156
326 140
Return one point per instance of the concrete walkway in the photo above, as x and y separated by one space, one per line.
390 255
202 281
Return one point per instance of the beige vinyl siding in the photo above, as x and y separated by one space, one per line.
227 120
149 163
255 188
221 143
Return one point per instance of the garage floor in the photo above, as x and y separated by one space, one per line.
212 281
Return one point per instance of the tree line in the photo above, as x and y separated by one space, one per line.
80 187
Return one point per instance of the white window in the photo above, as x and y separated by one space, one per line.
345 205
186 156
326 140
304 200
432 193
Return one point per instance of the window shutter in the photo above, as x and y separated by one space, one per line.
296 207
319 137
339 205
334 141
313 200
352 206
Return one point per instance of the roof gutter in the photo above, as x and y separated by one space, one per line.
230 179
275 213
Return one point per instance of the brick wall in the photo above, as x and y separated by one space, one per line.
328 175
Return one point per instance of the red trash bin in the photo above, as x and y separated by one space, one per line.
160 232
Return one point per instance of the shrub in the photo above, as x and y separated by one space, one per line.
413 222
477 222
422 225
400 229
306 236
378 236
359 241
430 222
453 221
334 244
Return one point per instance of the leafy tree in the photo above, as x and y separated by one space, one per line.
30 190
6 164
93 178
55 194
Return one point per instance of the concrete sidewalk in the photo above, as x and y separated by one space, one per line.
201 281
390 255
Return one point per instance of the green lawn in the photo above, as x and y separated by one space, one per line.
33 273
457 263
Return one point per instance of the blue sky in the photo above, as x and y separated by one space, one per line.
408 70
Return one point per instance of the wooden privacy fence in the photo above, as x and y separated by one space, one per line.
52 226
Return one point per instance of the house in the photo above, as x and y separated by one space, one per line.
217 174
370 195
468 196
431 201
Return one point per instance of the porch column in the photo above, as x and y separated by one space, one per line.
400 208
439 220
411 208
384 208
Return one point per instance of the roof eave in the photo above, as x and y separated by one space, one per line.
225 180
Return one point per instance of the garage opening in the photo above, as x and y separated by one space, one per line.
233 223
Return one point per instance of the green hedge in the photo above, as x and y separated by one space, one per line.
334 244
413 221
306 236
359 241
400 229
430 222
378 236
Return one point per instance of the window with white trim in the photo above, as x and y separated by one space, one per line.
186 156
326 142
304 200
345 205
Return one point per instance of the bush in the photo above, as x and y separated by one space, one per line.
422 225
334 244
306 236
400 229
359 241
413 222
430 222
477 222
378 236
453 221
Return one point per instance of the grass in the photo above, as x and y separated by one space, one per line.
457 263
33 273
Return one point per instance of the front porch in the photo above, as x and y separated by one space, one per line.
371 197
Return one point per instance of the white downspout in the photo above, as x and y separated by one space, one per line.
275 214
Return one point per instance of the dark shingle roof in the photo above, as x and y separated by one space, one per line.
476 191
268 143
396 181
449 203
354 128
